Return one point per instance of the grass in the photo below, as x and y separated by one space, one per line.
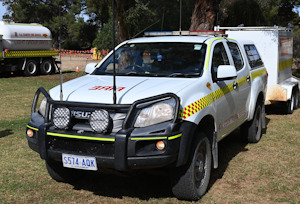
267 172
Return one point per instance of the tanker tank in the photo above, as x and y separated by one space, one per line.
25 37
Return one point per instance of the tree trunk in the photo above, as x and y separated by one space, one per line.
121 7
204 15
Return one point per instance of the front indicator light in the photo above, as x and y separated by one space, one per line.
30 133
61 118
160 145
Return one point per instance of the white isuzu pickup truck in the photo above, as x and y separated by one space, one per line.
175 98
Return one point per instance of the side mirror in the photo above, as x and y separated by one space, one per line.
90 67
226 72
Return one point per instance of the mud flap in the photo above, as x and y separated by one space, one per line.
264 125
215 153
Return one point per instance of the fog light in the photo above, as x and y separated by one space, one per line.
61 118
99 121
30 133
160 145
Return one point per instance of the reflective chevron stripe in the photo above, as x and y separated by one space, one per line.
207 100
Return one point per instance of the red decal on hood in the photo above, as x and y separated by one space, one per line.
106 88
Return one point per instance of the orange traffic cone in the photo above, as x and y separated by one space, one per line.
77 69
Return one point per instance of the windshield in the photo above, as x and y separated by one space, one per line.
156 59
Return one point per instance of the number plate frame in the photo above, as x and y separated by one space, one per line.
79 162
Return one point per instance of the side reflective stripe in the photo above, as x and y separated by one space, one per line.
149 138
258 73
208 99
157 138
81 137
242 81
42 53
32 128
285 64
175 136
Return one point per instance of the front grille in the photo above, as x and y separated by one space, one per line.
77 146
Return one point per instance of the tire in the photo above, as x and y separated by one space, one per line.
252 130
46 67
190 182
296 98
31 68
62 174
290 104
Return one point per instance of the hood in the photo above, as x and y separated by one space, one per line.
99 89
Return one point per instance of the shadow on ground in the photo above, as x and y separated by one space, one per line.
155 184
229 147
7 132
278 108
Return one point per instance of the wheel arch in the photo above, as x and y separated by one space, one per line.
206 125
259 99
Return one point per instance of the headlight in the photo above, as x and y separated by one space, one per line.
99 121
156 113
42 108
61 118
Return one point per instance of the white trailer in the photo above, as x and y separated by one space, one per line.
275 46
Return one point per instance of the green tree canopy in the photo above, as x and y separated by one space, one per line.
134 16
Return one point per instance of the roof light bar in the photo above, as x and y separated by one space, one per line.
183 33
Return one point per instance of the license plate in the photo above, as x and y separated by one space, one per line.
79 162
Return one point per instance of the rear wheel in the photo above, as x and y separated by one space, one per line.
296 98
46 67
61 174
290 104
190 182
252 130
31 68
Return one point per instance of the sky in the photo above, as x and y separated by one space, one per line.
2 10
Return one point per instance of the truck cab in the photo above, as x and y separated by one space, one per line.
174 98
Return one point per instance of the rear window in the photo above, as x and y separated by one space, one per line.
236 55
253 56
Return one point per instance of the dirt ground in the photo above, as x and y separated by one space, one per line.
69 63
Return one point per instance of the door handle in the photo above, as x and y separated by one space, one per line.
248 78
235 85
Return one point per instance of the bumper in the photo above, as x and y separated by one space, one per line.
122 151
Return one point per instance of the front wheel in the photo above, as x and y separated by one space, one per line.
190 182
252 130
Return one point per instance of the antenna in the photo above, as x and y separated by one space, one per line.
114 54
59 47
162 21
180 13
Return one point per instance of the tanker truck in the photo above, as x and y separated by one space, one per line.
26 48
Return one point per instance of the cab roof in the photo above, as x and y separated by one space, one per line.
179 39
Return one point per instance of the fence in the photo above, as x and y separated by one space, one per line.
86 54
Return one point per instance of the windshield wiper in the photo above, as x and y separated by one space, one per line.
138 74
184 75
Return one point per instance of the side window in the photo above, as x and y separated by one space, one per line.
236 55
219 58
253 56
